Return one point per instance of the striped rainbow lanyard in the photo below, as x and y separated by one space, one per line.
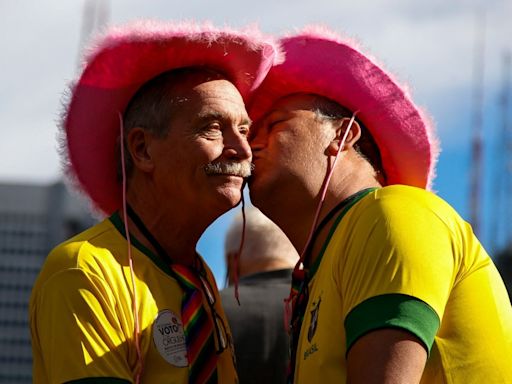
202 354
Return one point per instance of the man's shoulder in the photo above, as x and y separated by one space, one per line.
395 199
407 192
92 246
101 235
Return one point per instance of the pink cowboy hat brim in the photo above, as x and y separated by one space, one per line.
318 61
122 61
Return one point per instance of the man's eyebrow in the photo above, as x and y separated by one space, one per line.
216 115
208 115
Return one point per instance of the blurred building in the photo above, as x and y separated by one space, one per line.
33 219
503 261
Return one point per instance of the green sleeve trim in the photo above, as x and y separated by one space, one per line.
100 380
392 311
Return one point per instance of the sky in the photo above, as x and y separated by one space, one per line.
429 45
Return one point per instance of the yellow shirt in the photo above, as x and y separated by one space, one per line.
81 314
402 257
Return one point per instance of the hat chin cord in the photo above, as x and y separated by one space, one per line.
327 179
287 300
238 255
140 359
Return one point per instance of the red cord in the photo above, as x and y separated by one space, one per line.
289 300
236 261
140 360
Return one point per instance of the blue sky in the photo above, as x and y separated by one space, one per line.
429 45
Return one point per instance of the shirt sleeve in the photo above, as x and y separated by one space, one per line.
398 269
78 331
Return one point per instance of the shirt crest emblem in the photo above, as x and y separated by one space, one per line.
314 319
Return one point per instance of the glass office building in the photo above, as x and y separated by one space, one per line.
33 219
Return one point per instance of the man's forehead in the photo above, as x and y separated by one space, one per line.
293 102
216 99
214 93
199 83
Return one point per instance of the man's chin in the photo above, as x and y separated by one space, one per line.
230 197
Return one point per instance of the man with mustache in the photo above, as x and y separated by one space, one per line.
156 135
392 286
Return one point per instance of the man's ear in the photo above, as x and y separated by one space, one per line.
139 141
353 135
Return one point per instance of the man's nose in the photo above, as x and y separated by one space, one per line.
237 146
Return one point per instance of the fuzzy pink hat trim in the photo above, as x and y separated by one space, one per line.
319 61
120 62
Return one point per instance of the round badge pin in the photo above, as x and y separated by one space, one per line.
169 338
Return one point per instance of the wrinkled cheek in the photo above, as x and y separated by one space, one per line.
208 151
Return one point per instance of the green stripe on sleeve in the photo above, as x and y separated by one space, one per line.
392 311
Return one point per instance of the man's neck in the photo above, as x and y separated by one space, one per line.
177 232
296 220
177 245
332 202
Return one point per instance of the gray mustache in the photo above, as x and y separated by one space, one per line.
234 168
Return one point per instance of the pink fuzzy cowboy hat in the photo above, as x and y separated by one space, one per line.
318 61
120 63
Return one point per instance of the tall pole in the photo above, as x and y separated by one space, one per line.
477 140
95 16
507 129
501 227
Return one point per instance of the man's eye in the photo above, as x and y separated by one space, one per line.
213 127
244 130
274 123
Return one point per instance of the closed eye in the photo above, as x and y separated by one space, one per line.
212 129
274 123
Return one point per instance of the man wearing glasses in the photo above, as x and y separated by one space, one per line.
155 133
394 287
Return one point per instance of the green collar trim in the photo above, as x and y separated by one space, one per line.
352 200
119 225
